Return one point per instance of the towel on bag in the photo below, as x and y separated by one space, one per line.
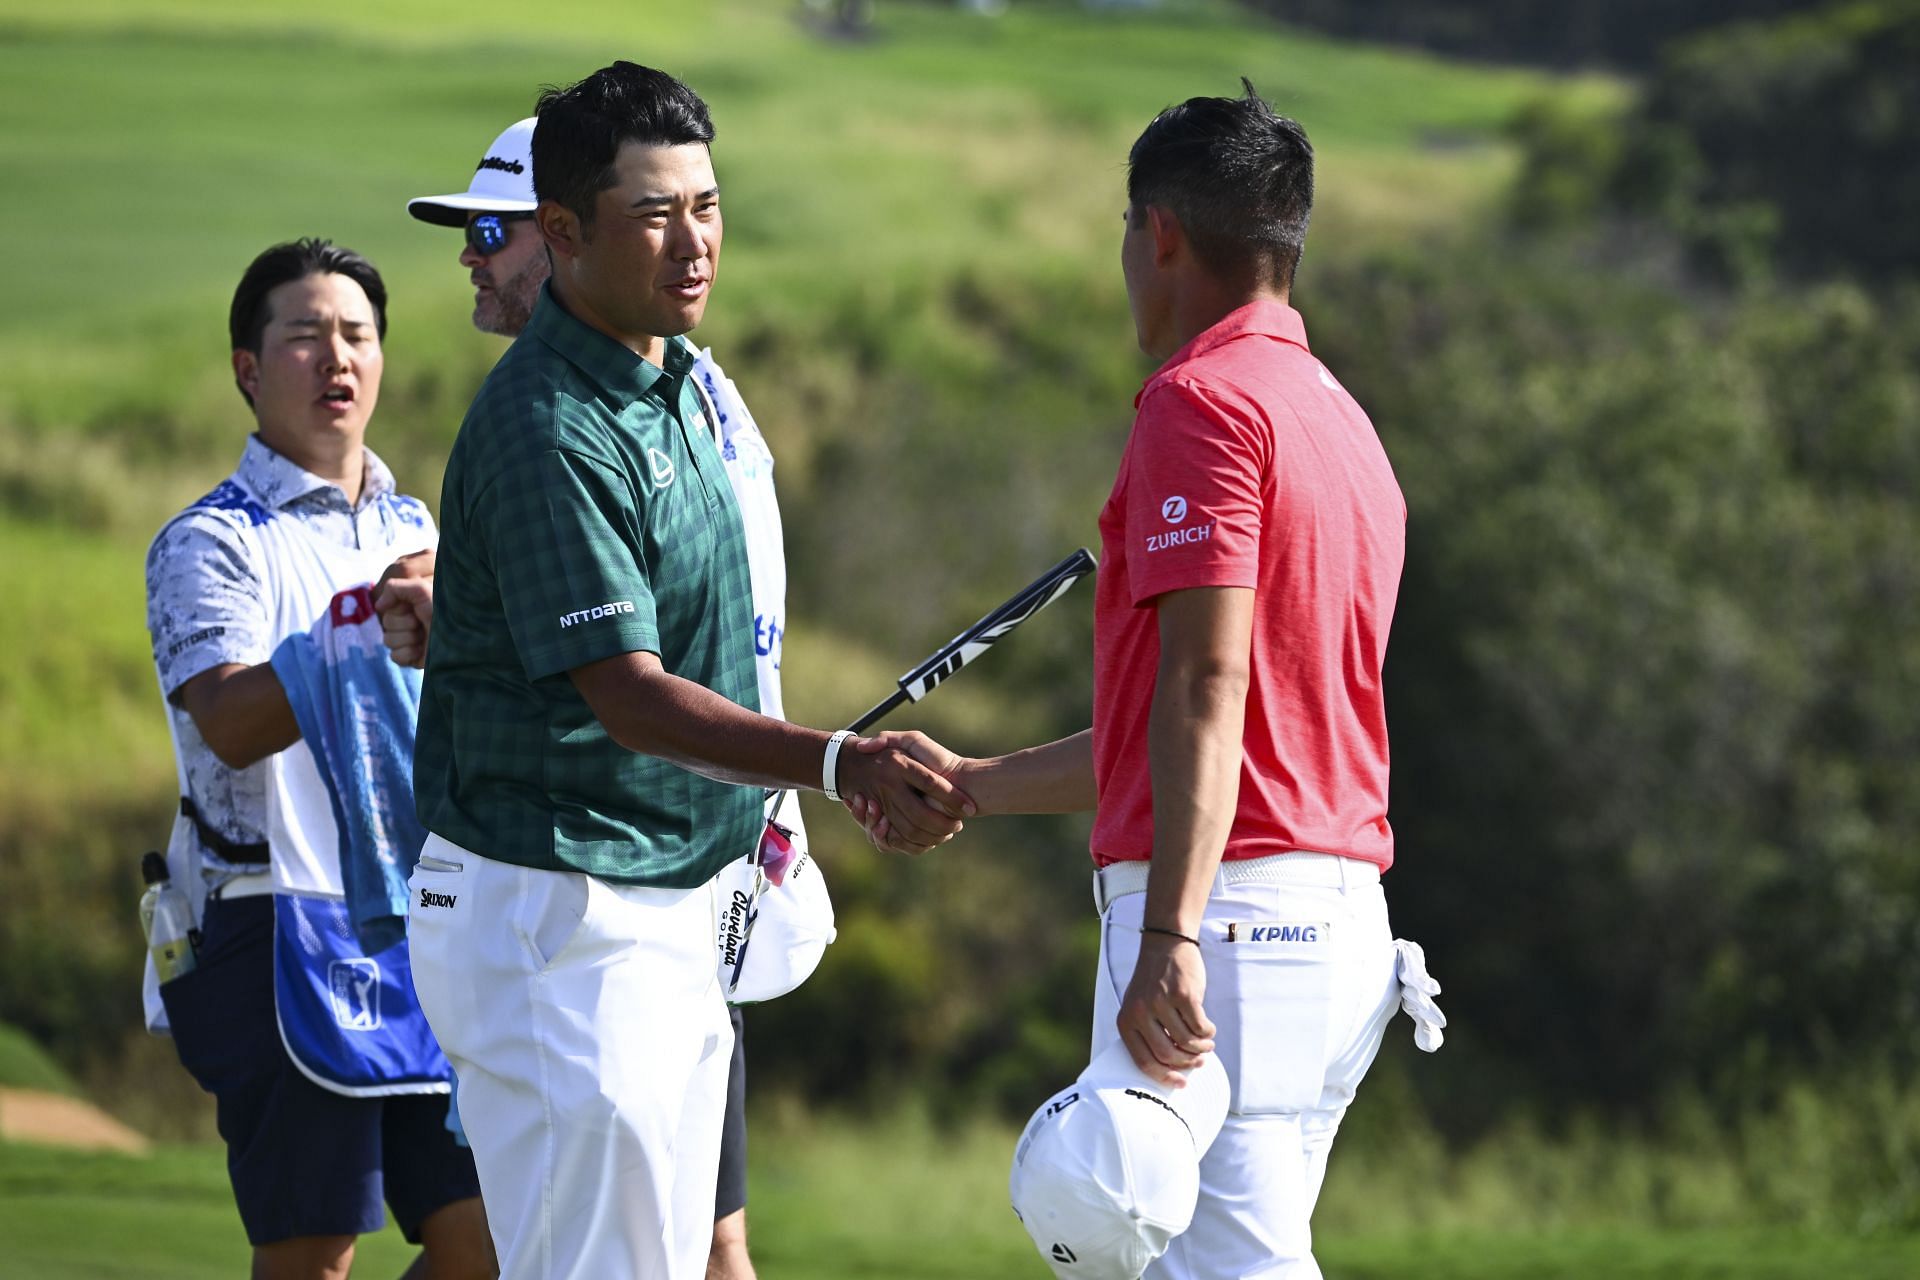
357 709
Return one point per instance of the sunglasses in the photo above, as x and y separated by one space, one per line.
487 234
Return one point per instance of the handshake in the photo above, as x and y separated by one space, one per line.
908 793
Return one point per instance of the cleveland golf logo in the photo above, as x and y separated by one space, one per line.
598 611
733 931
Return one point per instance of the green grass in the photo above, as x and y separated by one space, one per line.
25 1065
847 1200
176 140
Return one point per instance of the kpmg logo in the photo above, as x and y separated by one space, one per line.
1174 509
598 611
1274 933
355 988
504 166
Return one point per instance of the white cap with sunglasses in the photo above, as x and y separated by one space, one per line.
502 183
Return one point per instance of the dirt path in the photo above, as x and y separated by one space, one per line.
27 1115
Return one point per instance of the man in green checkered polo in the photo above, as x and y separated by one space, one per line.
590 749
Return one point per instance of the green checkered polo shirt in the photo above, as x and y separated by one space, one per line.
585 514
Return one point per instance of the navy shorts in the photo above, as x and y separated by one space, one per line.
730 1195
304 1161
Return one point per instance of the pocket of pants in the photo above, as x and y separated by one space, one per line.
557 907
1271 988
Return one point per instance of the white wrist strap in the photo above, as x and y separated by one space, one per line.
831 764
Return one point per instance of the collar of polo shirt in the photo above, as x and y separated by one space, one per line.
602 359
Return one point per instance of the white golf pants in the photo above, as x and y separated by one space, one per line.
586 1025
1301 982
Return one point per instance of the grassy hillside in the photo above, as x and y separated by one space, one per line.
25 1065
919 298
885 201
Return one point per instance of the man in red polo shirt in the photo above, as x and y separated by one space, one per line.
1238 756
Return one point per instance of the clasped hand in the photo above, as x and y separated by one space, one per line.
898 786
945 770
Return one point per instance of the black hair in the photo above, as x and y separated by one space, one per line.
583 126
1239 177
296 260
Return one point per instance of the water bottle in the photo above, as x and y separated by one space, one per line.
167 919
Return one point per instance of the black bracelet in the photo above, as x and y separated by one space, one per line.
1171 933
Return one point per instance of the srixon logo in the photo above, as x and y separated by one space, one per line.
428 898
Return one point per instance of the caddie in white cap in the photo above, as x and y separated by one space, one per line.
503 252
785 906
1107 1172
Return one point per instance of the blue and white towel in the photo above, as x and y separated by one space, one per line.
357 709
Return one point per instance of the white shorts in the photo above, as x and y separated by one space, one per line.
1300 987
587 1027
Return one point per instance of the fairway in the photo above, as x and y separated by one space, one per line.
921 300
877 1207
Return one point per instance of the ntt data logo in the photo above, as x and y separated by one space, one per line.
1174 509
598 611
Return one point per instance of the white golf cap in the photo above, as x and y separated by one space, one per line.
503 183
792 927
1108 1171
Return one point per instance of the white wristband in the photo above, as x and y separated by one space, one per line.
830 765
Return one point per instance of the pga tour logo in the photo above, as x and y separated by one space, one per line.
355 988
598 611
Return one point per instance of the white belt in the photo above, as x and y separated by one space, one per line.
1329 870
249 885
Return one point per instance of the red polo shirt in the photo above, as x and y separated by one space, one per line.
1250 466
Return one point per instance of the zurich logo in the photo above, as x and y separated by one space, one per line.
662 467
1174 509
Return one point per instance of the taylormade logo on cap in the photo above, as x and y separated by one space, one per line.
502 182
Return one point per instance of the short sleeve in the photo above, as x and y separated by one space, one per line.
206 603
1196 472
566 537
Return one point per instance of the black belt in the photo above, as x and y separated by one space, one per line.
246 854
